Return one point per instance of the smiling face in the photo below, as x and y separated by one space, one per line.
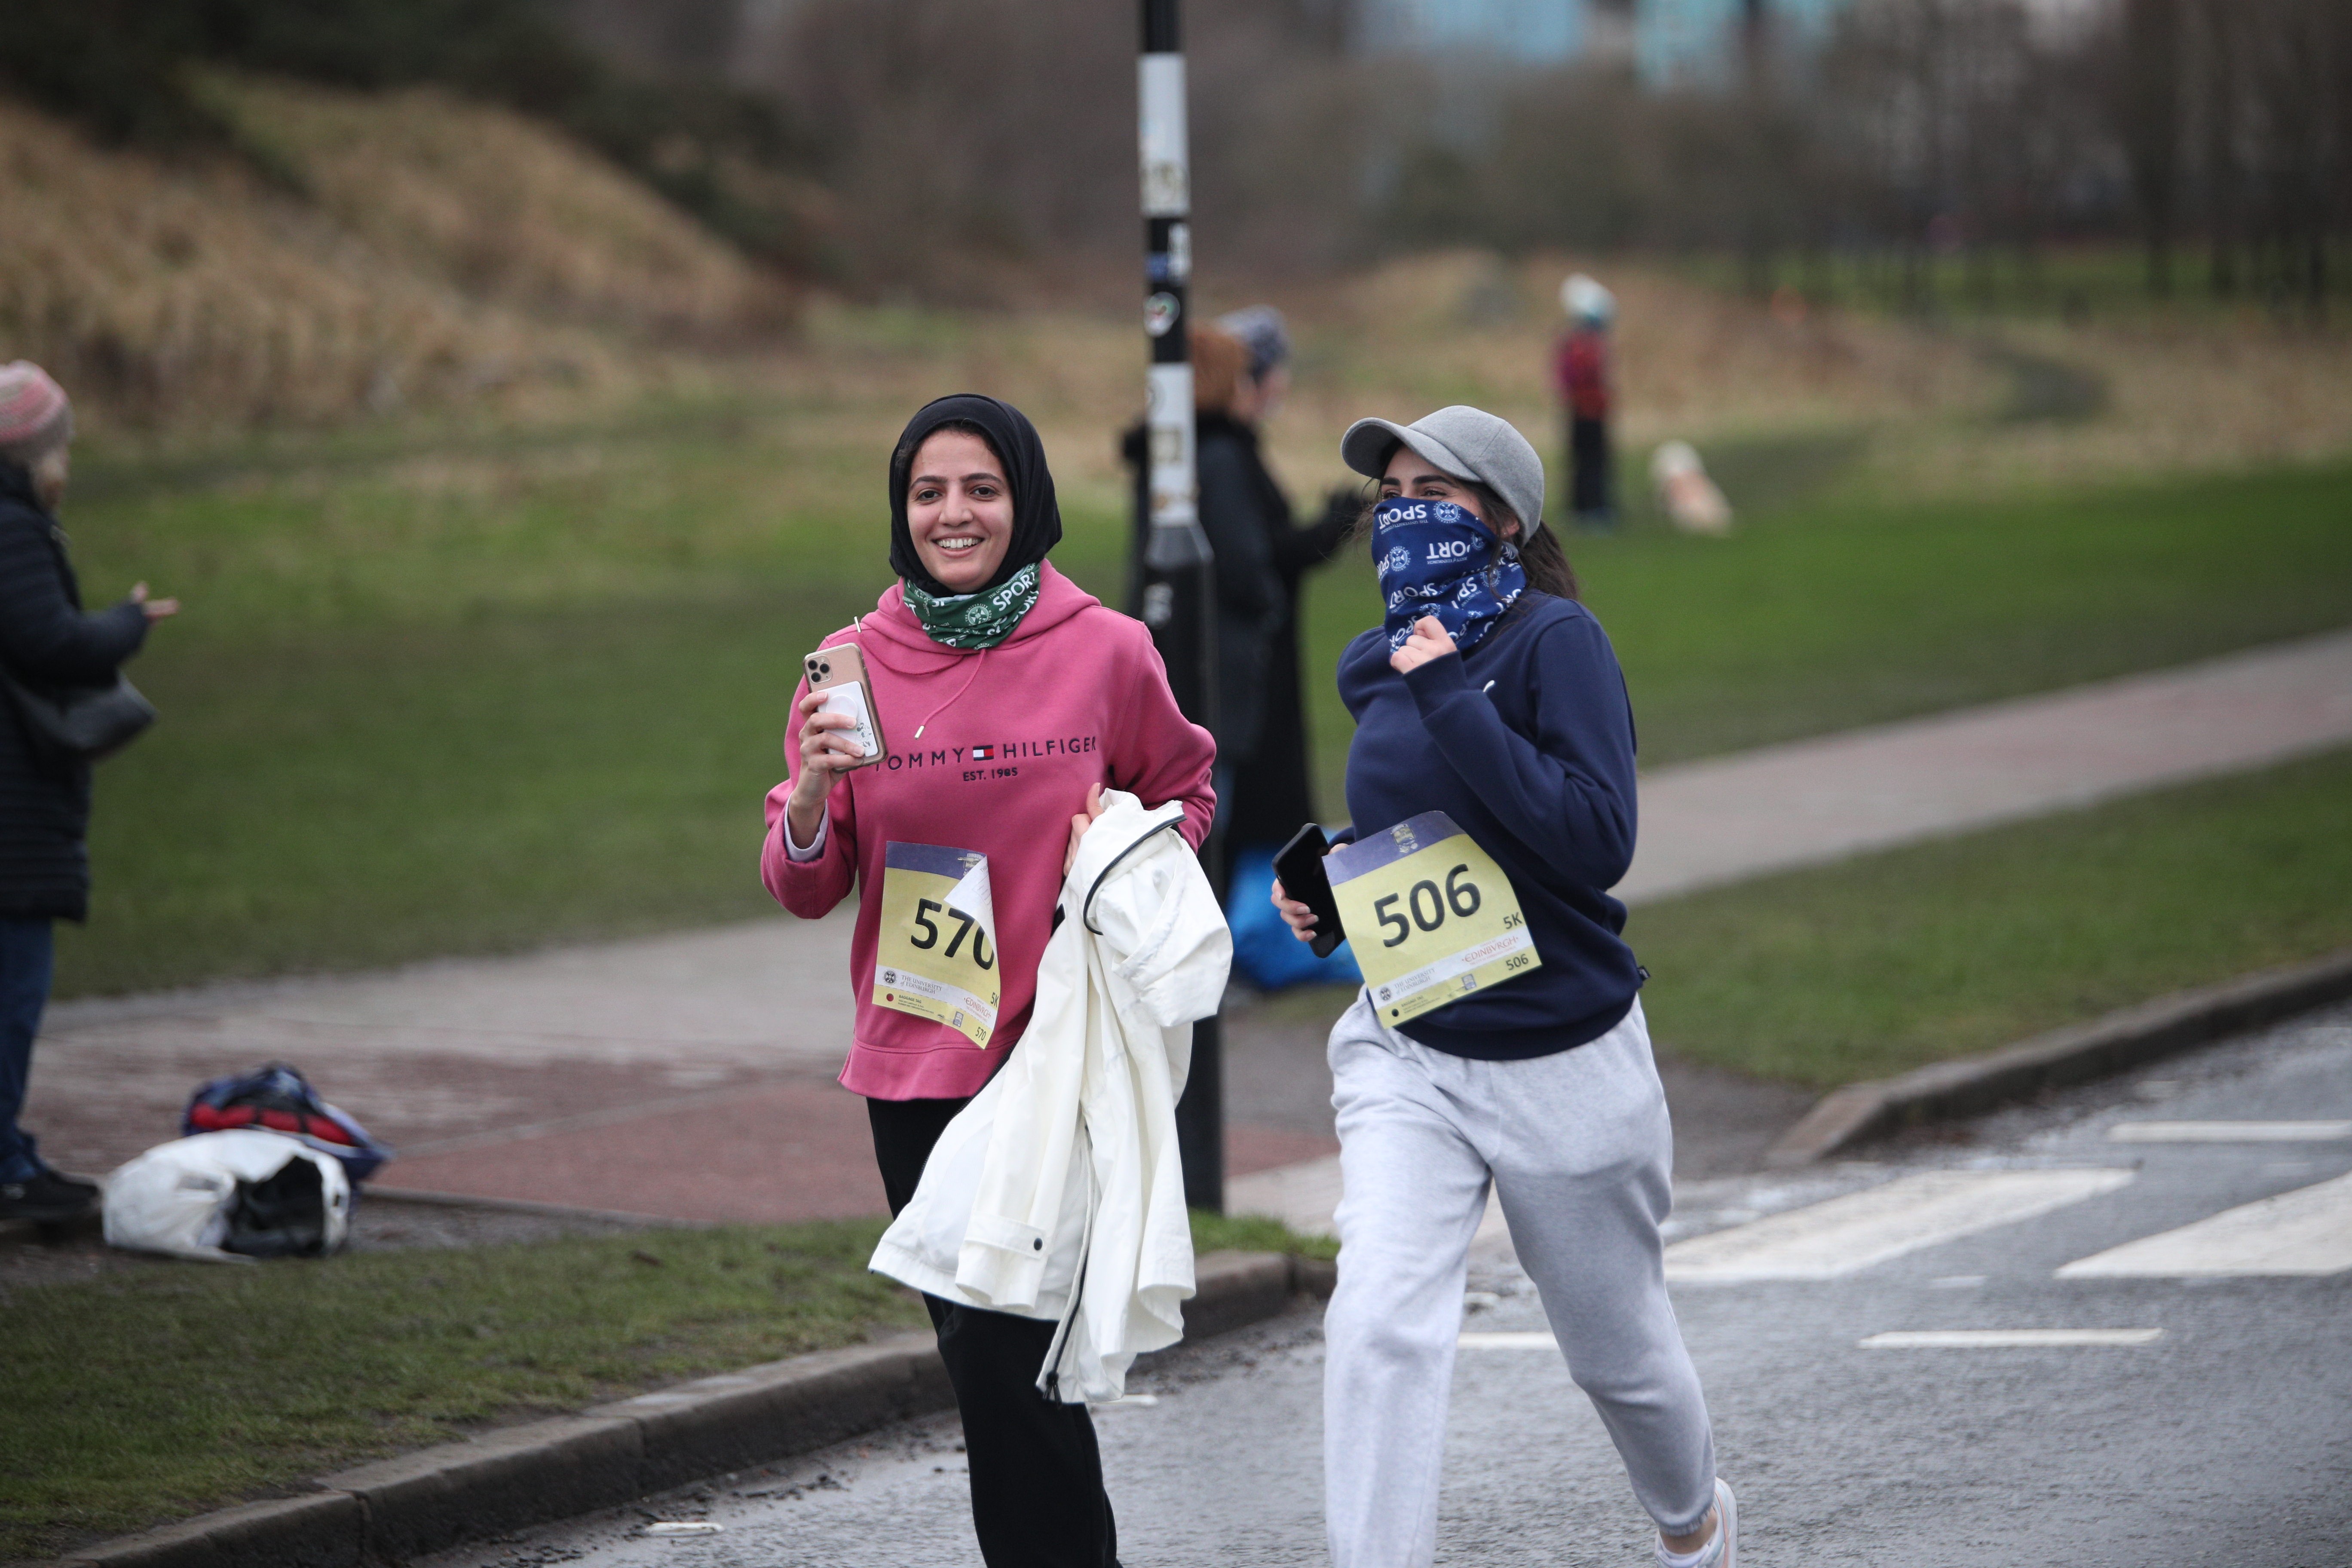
1411 475
959 510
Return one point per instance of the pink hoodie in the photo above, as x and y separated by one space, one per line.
1012 737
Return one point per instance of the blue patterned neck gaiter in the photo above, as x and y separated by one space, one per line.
1431 557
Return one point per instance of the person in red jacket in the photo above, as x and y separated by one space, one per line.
1581 376
1007 699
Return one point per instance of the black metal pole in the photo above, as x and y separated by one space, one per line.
1178 595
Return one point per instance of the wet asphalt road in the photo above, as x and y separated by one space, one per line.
2226 1441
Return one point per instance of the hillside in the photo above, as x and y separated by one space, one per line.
403 248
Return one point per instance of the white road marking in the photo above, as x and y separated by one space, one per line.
2228 1132
1957 1281
1843 1235
2306 1232
2005 1339
1510 1339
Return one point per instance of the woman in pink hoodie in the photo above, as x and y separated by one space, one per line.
1007 698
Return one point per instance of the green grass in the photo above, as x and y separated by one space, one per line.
1826 611
172 1388
1255 1233
1890 962
444 690
470 698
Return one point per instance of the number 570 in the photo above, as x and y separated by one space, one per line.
926 908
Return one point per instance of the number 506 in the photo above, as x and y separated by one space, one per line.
1460 895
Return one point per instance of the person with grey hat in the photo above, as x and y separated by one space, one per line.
49 649
1499 1041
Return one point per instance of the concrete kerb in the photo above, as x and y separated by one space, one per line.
438 1497
1949 1090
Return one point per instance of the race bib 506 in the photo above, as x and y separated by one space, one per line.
937 955
1430 916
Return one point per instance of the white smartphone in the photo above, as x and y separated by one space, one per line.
840 674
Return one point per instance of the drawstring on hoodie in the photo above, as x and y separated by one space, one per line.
959 692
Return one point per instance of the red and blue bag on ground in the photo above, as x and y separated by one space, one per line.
281 1100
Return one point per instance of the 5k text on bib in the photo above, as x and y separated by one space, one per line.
1429 915
937 953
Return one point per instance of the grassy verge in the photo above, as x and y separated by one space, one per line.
1823 614
1255 1233
445 691
1887 962
172 1388
469 701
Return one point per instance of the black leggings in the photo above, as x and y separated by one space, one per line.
1037 1497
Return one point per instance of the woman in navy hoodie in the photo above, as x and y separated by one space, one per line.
1499 1038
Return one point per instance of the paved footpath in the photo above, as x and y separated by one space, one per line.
690 1075
2110 1331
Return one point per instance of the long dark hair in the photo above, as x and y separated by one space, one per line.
1540 555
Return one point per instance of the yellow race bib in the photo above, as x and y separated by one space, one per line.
937 954
1430 916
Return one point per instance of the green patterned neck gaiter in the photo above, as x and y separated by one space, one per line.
975 620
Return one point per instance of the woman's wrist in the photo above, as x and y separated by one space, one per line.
802 816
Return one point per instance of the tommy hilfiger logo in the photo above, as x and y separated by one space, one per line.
998 752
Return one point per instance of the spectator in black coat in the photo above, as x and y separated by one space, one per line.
1240 372
1277 793
46 644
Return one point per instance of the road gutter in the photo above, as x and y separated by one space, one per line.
414 1504
1969 1086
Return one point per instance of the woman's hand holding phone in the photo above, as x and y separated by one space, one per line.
826 754
1297 916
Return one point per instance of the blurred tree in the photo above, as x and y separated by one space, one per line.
2148 94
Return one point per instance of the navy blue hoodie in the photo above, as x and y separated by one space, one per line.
1526 742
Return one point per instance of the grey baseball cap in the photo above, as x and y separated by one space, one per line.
1468 443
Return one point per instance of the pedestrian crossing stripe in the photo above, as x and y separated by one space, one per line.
2228 1132
2005 1339
1844 1235
2307 1232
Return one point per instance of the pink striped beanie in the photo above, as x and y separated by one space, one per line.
34 413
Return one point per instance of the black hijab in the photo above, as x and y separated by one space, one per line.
1037 519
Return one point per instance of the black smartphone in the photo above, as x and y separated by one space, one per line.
1300 866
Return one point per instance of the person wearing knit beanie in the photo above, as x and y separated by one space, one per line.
49 649
36 416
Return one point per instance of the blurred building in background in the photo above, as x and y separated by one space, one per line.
1668 43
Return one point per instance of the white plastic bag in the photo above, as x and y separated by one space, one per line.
181 1198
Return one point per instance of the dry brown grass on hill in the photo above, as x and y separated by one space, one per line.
2181 396
448 254
1463 327
193 296
502 208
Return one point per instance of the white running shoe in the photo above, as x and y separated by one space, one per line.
1722 1549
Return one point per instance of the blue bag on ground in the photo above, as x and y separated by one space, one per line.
1265 952
281 1100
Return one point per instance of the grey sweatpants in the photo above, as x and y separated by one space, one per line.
1579 1149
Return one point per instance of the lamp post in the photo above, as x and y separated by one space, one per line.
1177 591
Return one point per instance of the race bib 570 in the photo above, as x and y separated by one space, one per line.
1430 916
937 954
